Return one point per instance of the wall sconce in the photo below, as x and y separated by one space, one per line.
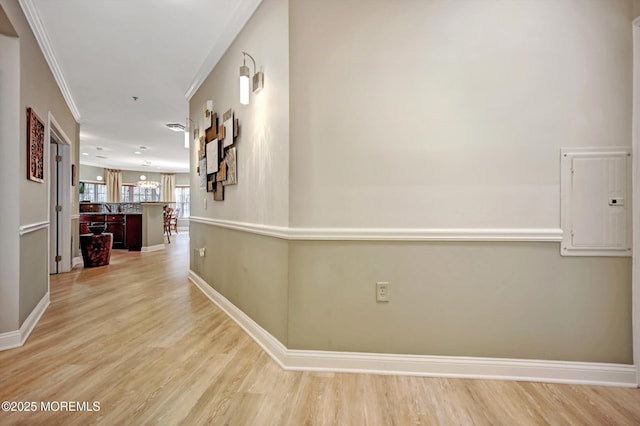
258 79
188 128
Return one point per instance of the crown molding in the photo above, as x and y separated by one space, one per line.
233 27
37 26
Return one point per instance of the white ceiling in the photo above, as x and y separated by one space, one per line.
103 53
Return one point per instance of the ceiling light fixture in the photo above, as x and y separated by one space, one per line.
137 152
148 184
258 79
143 183
85 153
175 127
99 178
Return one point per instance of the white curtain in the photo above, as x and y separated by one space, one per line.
168 182
114 185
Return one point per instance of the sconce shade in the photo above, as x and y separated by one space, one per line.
244 85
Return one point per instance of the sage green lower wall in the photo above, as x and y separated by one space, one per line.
504 300
250 270
34 273
480 299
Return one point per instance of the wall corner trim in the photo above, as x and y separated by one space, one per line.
152 248
40 33
14 339
390 234
32 227
582 373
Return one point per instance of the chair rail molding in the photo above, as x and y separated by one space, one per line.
32 227
390 234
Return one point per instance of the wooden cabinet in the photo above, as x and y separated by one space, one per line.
88 219
126 228
116 225
134 232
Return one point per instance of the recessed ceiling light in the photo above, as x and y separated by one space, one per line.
176 127
85 153
137 152
99 177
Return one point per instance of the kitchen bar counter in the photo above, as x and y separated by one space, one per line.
125 227
135 226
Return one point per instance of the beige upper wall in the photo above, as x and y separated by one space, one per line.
262 193
450 113
5 25
38 90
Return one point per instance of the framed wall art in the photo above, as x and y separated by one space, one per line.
35 147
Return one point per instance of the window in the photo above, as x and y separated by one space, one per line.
93 192
183 200
134 194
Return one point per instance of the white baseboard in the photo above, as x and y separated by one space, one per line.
152 248
586 373
77 261
262 337
10 340
16 338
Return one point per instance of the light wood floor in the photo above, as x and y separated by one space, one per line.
151 349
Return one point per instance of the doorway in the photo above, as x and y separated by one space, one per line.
60 203
55 208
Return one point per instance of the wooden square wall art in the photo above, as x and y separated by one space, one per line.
202 165
212 132
201 150
230 161
212 156
228 132
219 194
35 147
222 172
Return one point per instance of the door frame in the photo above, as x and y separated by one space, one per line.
65 193
635 188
